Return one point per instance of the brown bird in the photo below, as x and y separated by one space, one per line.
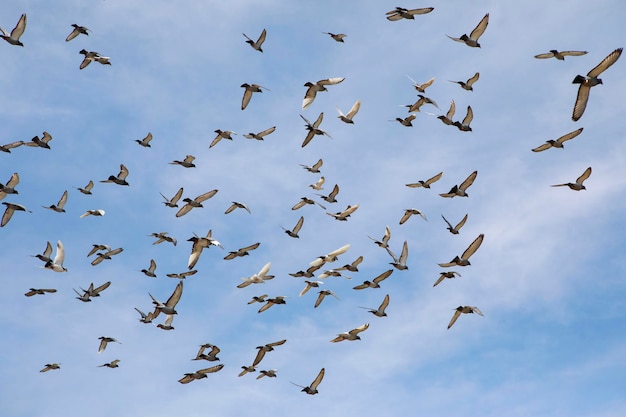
211 356
8 212
421 87
280 299
195 203
59 207
343 215
464 310
312 389
112 364
591 80
199 243
559 142
347 118
384 242
173 202
559 55
222 134
51 366
472 39
304 201
375 283
105 255
322 295
150 271
336 36
415 107
200 373
351 335
87 189
235 205
447 118
409 212
464 126
258 299
400 13
296 229
467 85
260 135
446 274
247 94
264 349
455 230
407 121
169 306
380 311
121 176
93 56
9 187
39 291
35 142
313 129
259 42
427 183
578 185
400 263
242 251
78 30
104 340
185 163
182 275
459 190
315 168
163 237
314 88
464 259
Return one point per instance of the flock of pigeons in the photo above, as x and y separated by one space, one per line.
318 267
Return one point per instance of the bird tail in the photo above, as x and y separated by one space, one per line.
579 79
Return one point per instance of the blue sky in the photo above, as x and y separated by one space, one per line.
548 277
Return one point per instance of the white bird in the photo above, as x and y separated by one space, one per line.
97 213
319 185
258 278
57 264
330 257
352 334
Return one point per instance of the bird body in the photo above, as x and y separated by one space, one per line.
14 37
578 185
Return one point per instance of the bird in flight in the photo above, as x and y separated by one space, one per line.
591 80
472 39
78 30
352 334
467 85
336 36
312 389
559 142
314 88
400 13
463 260
259 42
464 310
14 37
459 190
578 185
560 55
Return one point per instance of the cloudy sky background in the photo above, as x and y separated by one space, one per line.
549 276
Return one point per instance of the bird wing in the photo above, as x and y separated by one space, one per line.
101 288
317 380
339 251
205 196
382 276
461 223
123 172
46 253
394 15
455 316
384 304
407 214
267 131
62 201
581 102
405 253
468 117
545 56
570 135
17 32
359 329
330 81
574 53
175 297
60 254
476 310
309 96
584 176
452 110
473 247
355 108
473 79
261 39
247 95
542 147
434 178
480 28
447 222
298 225
14 180
468 181
423 10
603 65
184 210
72 35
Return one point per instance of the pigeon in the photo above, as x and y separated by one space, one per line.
264 349
472 39
407 121
578 185
559 142
459 190
336 36
455 230
95 292
222 134
375 283
120 179
59 207
16 33
427 183
331 257
93 56
309 285
304 201
258 299
322 295
447 118
9 187
211 356
319 185
87 189
39 291
104 340
7 147
57 264
185 163
269 373
167 323
145 142
145 318
259 42
200 373
182 275
236 205
591 80
96 213
560 55
101 256
173 202
258 278
242 251
199 243
400 263
464 126
313 129
380 311
464 310
51 366
467 85
78 30
384 242
343 215
351 335
347 118
45 255
296 229
261 134
446 274
463 260
112 364
35 142
195 203
247 94
315 168
150 271
8 212
409 212
169 306
421 87
312 389
280 299
415 107
163 237
400 13
314 88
